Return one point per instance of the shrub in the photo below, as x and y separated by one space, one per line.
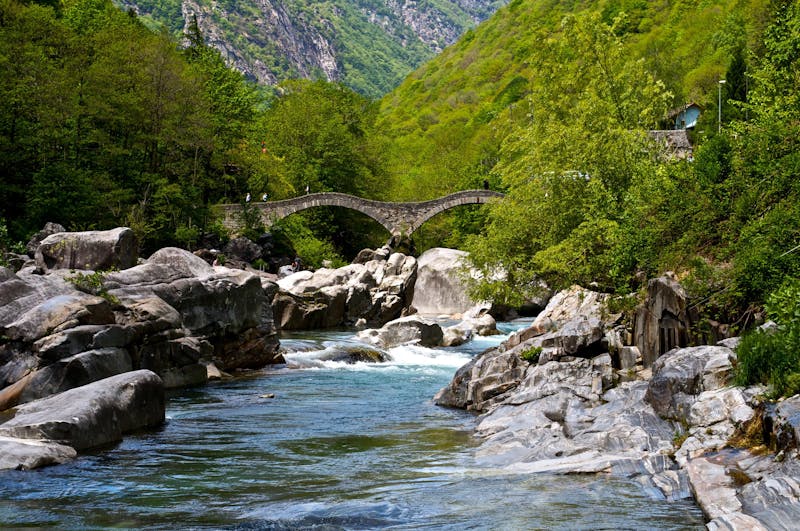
772 356
92 283
531 355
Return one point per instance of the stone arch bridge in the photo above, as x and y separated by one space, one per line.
397 218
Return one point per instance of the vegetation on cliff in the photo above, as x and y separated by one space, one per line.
369 45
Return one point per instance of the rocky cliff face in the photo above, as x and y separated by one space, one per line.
369 45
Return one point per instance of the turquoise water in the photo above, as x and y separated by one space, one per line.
338 447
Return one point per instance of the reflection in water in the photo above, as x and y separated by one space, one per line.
340 446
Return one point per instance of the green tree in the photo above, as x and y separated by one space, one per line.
569 166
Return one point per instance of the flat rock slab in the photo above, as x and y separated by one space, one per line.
27 454
95 414
713 488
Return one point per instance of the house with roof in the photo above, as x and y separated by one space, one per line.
684 117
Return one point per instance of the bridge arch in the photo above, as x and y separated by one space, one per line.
397 218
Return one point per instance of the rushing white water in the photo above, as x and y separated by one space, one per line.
340 446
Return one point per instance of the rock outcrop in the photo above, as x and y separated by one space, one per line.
52 430
574 324
377 291
553 404
475 321
662 322
172 314
406 330
90 250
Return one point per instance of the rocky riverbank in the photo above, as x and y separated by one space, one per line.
85 357
573 394
84 320
172 320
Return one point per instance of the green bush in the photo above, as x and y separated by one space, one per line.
531 355
92 283
772 356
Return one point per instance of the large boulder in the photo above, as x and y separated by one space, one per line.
572 325
228 308
27 454
403 331
92 250
172 314
240 251
65 374
681 375
560 420
439 288
93 415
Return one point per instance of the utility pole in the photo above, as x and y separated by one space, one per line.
719 105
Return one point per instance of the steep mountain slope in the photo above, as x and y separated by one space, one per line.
369 45
449 119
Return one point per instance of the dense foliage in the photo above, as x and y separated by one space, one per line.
770 356
106 123
552 101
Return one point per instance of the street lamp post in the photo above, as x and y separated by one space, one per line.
719 105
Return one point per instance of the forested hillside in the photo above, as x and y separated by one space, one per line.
449 118
552 102
369 45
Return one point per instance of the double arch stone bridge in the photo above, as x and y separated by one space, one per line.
397 218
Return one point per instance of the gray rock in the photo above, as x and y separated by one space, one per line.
21 292
406 330
95 414
354 354
629 357
377 291
556 422
75 371
439 289
774 501
736 522
782 422
713 488
682 374
36 239
59 313
476 321
364 256
242 250
493 375
184 376
661 323
91 250
27 454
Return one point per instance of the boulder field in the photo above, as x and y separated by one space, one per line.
572 394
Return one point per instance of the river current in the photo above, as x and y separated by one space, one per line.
322 445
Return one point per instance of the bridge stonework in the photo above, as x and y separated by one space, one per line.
397 218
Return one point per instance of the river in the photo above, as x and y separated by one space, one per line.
322 445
